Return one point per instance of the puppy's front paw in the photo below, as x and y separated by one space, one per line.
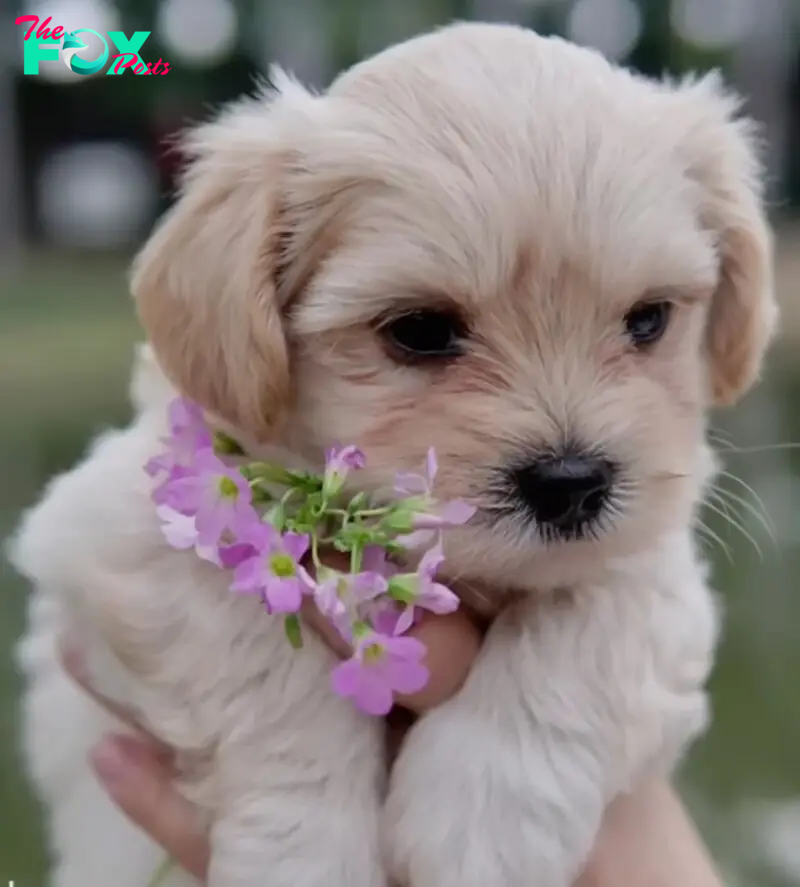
470 806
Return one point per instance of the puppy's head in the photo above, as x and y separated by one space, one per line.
487 242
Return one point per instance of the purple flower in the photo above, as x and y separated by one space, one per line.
382 614
167 493
338 464
180 531
420 514
426 525
189 435
274 570
217 496
448 514
343 597
408 484
374 560
232 555
420 590
189 432
380 667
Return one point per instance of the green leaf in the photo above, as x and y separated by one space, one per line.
268 473
394 548
291 625
358 502
276 516
403 588
224 445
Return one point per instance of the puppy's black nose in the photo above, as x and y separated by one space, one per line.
566 493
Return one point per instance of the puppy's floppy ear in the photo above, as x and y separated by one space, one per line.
205 283
723 161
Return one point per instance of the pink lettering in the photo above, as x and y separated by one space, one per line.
124 61
43 32
23 19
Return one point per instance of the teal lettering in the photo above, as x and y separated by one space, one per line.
126 46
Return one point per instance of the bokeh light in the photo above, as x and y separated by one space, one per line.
714 24
198 32
611 26
96 195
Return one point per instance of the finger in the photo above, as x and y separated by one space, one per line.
141 786
74 663
452 642
323 627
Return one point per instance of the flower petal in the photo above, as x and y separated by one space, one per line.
405 648
430 562
346 677
253 531
307 584
409 484
283 595
250 576
159 464
373 695
405 621
385 617
230 556
416 540
407 677
295 544
211 523
373 559
327 599
179 529
456 512
432 466
368 586
439 599
210 554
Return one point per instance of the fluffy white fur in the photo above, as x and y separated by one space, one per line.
542 192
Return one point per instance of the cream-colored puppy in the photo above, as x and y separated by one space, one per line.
484 241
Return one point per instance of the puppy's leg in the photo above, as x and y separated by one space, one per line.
291 776
567 706
300 786
92 844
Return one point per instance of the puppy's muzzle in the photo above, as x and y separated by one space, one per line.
565 495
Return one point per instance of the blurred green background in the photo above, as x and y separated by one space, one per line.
85 168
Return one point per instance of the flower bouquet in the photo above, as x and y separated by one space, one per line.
267 525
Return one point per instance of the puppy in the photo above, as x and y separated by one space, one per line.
484 241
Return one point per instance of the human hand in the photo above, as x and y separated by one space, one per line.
646 837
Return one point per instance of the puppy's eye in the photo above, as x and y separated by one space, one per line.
647 323
425 335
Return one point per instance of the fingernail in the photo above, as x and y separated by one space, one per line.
112 763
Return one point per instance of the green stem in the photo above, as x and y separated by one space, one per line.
374 512
355 559
256 483
271 473
315 552
162 873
